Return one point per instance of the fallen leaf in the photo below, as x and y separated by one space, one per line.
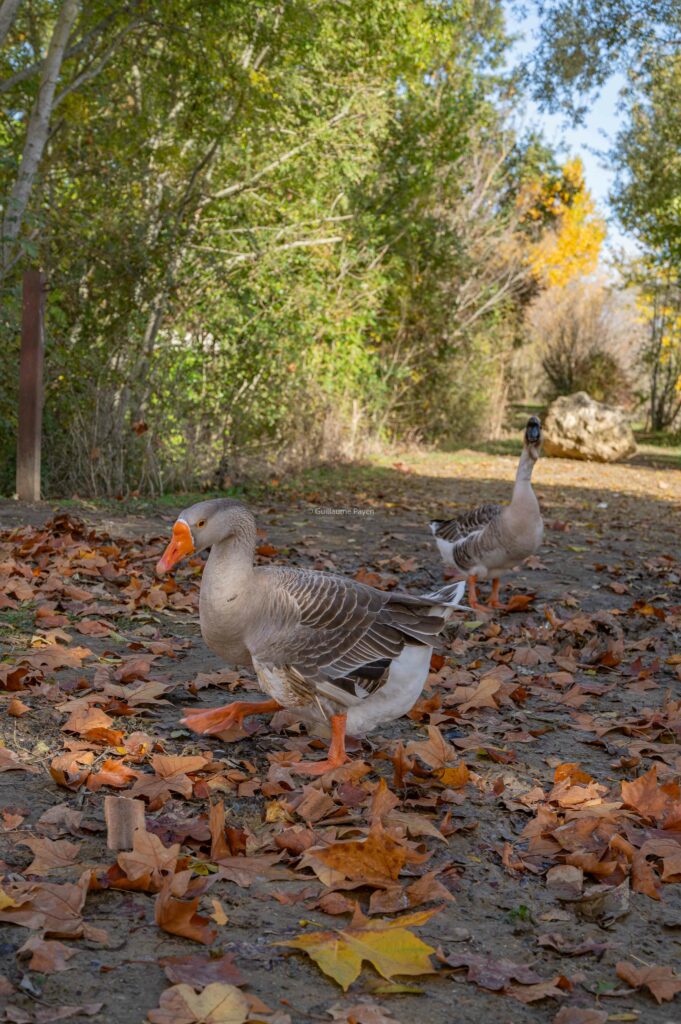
558 942
47 955
199 971
17 708
48 1014
149 859
51 907
483 695
49 854
72 770
577 1015
646 797
426 889
361 1013
387 945
554 988
565 881
93 724
219 915
492 973
375 860
171 776
181 917
662 982
435 751
217 1004
112 773
244 871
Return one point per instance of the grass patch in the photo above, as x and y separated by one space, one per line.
17 623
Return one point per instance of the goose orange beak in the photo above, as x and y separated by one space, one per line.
180 546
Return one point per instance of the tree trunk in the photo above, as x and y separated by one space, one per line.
8 8
36 133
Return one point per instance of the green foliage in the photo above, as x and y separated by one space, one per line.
648 157
272 233
582 42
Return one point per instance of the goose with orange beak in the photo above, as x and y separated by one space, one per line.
180 546
340 654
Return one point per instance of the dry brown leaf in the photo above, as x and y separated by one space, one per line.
112 773
170 777
647 797
218 841
491 972
376 860
555 988
577 1015
662 982
72 769
199 971
16 708
181 917
219 915
483 695
426 889
9 761
47 955
244 871
49 854
149 859
366 1012
53 908
435 751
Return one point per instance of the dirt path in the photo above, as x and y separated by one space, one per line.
596 683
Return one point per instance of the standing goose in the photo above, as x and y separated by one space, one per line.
493 538
339 652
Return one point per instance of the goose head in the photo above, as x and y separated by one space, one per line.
533 437
202 525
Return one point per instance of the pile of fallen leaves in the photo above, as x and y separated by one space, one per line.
372 847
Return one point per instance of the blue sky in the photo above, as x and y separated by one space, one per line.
590 140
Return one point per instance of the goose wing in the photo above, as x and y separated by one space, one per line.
468 523
336 636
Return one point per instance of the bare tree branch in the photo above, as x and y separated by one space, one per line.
241 186
37 131
8 9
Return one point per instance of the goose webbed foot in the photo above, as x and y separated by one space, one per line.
212 721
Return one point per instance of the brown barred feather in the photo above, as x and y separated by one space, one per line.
462 526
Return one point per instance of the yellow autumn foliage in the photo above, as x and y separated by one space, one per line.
658 306
571 243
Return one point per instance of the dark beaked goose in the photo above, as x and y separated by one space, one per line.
491 539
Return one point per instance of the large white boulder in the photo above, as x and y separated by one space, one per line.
578 427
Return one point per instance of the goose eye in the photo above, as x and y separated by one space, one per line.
201 522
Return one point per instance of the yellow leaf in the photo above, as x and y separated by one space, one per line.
387 945
6 901
219 915
217 1004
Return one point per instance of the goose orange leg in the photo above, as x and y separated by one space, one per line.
473 594
337 755
215 720
494 601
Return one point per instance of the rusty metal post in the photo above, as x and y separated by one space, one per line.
31 386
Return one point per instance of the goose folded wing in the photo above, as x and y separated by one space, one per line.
465 525
341 635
